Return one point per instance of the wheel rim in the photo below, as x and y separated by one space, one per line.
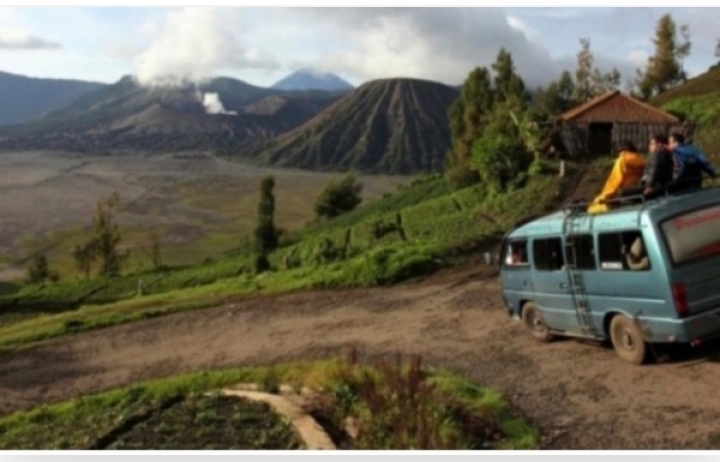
625 339
535 322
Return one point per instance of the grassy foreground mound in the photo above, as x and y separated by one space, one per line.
392 404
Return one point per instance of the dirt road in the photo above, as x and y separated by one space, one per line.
580 394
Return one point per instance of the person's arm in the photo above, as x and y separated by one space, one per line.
651 172
678 166
614 181
705 163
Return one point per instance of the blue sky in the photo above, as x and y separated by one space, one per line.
262 45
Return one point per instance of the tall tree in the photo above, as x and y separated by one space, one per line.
508 84
107 235
583 72
468 112
665 68
266 239
591 81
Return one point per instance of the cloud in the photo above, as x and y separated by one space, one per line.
213 105
195 44
17 39
441 44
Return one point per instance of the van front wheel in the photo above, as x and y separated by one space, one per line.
533 320
627 339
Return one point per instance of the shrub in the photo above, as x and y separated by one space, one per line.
461 176
338 198
501 161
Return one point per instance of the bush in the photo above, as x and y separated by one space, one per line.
338 198
39 272
501 161
462 176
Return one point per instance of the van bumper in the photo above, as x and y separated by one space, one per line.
693 330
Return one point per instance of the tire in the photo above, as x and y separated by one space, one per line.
534 322
627 340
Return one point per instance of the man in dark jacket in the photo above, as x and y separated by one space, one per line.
692 163
660 169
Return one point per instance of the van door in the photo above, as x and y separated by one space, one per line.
551 283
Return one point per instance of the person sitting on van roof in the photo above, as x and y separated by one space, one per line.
692 164
626 172
661 167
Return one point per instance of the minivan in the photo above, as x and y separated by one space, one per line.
637 275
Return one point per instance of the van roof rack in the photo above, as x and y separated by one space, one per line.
580 206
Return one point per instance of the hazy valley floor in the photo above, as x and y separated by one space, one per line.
202 205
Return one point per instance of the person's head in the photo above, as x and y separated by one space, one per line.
676 139
628 146
658 142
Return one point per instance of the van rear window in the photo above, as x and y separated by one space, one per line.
694 235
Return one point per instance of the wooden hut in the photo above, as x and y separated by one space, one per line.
598 126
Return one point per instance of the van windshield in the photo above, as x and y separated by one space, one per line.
694 235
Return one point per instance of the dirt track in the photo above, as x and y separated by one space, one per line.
581 395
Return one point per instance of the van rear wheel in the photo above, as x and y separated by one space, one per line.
533 320
627 340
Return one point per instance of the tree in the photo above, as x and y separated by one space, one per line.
338 197
590 81
583 72
508 85
467 113
154 241
665 68
107 235
557 97
84 256
38 270
104 242
266 239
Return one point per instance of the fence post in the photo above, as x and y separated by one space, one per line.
562 169
140 288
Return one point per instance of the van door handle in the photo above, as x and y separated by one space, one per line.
564 285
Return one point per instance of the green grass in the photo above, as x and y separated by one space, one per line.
705 111
463 414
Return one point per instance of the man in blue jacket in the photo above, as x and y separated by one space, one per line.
692 163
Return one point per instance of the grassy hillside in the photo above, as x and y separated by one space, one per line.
411 233
698 100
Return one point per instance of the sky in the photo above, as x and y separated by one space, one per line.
262 45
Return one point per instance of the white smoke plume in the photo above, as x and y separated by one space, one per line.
194 45
213 105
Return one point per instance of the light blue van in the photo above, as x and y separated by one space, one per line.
636 275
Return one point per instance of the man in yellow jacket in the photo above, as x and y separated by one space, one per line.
627 172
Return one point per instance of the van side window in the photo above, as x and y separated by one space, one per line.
581 245
623 251
516 253
547 254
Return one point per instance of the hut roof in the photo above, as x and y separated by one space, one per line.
615 106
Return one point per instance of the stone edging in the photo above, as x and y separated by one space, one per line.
312 434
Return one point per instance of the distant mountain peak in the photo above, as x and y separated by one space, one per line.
309 79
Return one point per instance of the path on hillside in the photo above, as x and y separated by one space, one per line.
581 394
